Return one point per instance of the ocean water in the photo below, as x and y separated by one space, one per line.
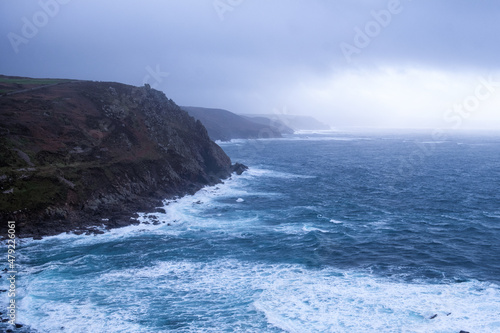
326 232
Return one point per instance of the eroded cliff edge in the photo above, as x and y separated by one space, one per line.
81 154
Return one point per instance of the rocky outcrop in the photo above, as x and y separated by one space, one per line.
79 154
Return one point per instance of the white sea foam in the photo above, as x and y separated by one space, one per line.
434 142
307 228
290 297
297 229
327 138
178 212
495 215
330 131
258 172
77 316
299 136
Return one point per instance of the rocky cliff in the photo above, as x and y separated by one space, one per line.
224 125
74 155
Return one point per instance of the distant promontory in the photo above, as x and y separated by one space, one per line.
224 125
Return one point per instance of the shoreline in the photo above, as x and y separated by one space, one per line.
84 223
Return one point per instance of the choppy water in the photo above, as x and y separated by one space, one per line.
330 232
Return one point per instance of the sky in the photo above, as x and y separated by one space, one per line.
350 63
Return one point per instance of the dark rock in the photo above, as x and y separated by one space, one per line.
3 291
224 125
463 332
238 168
433 316
19 325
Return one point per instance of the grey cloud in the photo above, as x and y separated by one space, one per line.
259 46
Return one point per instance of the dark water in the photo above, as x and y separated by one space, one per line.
331 232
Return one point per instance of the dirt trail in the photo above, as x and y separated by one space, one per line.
34 88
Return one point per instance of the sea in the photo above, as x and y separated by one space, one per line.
334 231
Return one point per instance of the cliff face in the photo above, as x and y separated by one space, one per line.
224 125
75 154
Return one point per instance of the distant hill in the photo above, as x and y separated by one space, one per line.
272 122
224 125
296 123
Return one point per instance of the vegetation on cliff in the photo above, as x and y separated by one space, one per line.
76 153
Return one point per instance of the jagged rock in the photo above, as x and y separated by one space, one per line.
108 149
239 168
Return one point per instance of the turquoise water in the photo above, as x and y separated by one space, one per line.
326 232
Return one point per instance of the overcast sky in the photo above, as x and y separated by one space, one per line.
387 63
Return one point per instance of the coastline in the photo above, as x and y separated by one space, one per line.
106 219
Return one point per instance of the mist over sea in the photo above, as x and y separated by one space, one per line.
326 232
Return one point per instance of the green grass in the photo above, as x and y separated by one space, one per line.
34 193
30 81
